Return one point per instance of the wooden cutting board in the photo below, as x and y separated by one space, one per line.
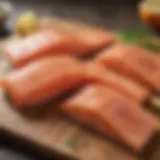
52 131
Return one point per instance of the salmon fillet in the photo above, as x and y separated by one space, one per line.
134 62
45 78
51 42
91 40
112 114
37 45
98 73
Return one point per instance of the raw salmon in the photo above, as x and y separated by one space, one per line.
137 63
37 45
51 42
91 40
45 78
98 73
112 114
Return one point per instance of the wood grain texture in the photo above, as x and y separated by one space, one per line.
55 132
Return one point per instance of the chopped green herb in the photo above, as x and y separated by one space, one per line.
132 35
151 43
152 46
140 37
72 143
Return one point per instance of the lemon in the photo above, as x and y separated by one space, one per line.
150 12
27 23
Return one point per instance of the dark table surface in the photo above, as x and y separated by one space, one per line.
112 14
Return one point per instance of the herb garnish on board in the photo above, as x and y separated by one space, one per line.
140 37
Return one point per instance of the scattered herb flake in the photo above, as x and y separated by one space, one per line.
72 143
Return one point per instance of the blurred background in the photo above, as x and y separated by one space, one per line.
114 14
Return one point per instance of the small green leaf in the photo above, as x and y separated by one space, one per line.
140 37
132 35
150 43
72 143
152 47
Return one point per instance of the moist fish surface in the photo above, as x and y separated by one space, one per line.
91 40
53 42
35 46
112 114
45 78
137 63
98 73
